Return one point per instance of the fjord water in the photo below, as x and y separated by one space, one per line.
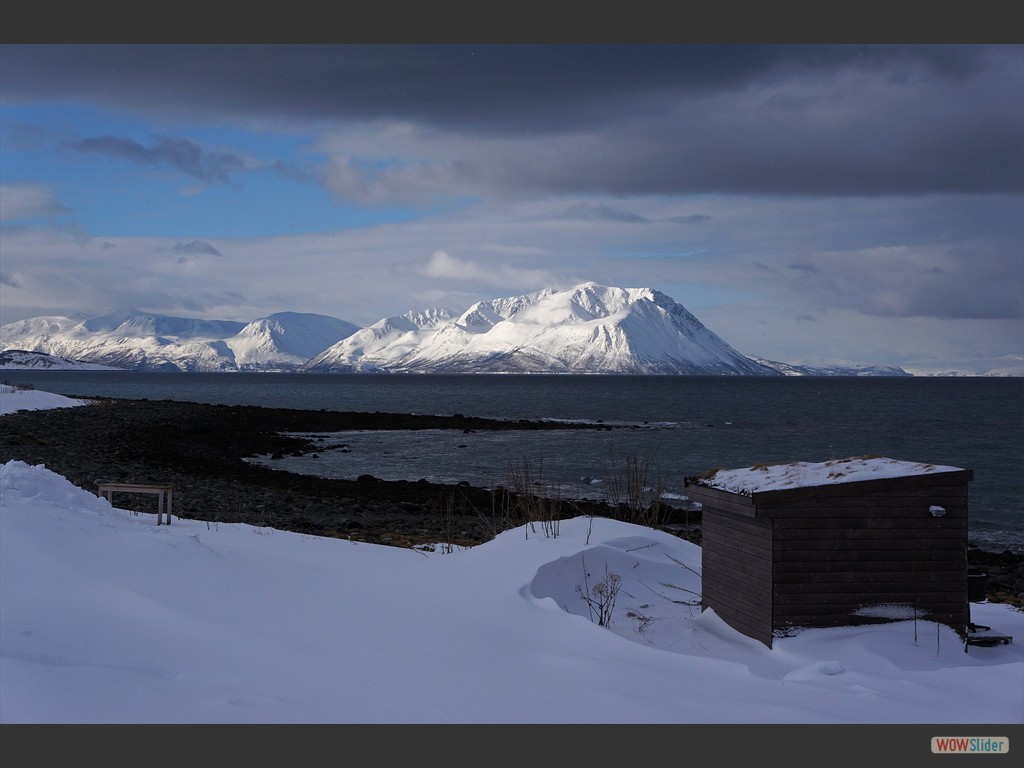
677 425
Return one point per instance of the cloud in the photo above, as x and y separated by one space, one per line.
894 122
866 120
182 154
590 212
445 267
484 89
25 200
373 182
972 282
693 218
196 247
294 171
442 266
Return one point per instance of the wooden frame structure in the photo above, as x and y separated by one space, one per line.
107 490
836 555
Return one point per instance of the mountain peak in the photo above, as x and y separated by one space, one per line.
588 328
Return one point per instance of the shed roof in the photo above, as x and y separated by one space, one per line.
799 474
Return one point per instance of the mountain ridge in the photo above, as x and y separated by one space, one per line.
589 328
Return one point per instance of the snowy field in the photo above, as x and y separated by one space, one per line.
106 617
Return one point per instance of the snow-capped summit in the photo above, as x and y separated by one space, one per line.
131 323
590 328
134 340
286 339
374 348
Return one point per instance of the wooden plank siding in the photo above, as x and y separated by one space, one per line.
736 572
722 501
844 554
814 504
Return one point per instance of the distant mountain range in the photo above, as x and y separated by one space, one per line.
146 342
588 329
20 359
788 369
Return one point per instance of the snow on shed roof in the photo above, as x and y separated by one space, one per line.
800 474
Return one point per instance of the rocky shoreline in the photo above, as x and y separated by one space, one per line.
200 449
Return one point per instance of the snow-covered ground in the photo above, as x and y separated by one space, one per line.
106 617
13 399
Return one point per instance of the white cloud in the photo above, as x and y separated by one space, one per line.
442 265
21 201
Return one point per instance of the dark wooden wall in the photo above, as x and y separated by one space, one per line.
736 572
846 560
837 555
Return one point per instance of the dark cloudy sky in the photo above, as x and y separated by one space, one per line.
837 202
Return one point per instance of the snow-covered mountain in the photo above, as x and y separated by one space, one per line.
790 369
19 359
375 348
286 339
587 329
142 341
590 328
1004 366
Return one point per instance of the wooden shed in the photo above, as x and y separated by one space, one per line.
844 542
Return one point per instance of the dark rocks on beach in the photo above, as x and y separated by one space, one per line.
200 450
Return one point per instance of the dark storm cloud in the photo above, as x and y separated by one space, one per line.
503 88
182 154
627 120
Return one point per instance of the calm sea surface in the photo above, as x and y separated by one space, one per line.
675 425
